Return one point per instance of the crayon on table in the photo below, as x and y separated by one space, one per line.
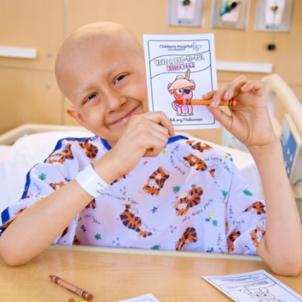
71 287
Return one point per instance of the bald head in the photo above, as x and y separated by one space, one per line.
97 37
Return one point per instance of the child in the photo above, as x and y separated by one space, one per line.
137 185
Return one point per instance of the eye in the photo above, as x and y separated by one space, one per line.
119 78
187 91
90 97
179 91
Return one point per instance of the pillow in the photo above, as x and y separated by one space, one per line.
24 154
4 152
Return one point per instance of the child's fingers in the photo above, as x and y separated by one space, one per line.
160 118
234 87
155 142
253 85
160 129
217 97
222 117
208 95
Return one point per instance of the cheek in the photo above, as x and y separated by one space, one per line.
94 117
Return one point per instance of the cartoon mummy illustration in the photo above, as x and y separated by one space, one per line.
182 90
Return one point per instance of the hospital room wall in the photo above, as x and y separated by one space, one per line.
28 91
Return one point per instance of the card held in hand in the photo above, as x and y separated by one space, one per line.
179 70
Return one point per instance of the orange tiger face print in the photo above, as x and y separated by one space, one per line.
230 240
197 145
90 149
91 205
61 155
257 233
188 236
196 162
184 204
133 222
57 185
156 181
257 206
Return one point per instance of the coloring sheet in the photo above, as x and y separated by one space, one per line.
257 286
179 69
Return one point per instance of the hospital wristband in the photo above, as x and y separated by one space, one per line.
91 182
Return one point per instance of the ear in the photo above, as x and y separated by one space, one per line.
187 74
170 90
76 116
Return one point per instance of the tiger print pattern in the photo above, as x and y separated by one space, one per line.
118 179
133 222
212 172
184 204
197 145
196 162
257 206
89 149
56 186
156 181
61 155
230 240
91 205
188 236
257 233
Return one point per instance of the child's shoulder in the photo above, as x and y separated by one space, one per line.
68 147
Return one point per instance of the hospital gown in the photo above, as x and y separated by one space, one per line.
190 197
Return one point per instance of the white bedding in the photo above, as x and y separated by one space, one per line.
4 152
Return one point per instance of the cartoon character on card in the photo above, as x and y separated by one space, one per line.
182 90
261 294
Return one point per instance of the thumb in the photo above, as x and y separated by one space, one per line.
221 116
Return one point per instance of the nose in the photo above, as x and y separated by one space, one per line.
114 100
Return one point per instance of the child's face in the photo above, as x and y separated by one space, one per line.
106 85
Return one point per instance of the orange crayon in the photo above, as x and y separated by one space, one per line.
205 102
71 287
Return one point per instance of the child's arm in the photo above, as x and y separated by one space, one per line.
40 224
281 247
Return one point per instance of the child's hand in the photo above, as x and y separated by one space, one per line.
145 135
248 120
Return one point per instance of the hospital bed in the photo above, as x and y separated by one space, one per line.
28 144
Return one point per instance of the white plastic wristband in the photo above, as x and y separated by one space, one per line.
91 182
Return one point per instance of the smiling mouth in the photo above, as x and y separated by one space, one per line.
125 118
